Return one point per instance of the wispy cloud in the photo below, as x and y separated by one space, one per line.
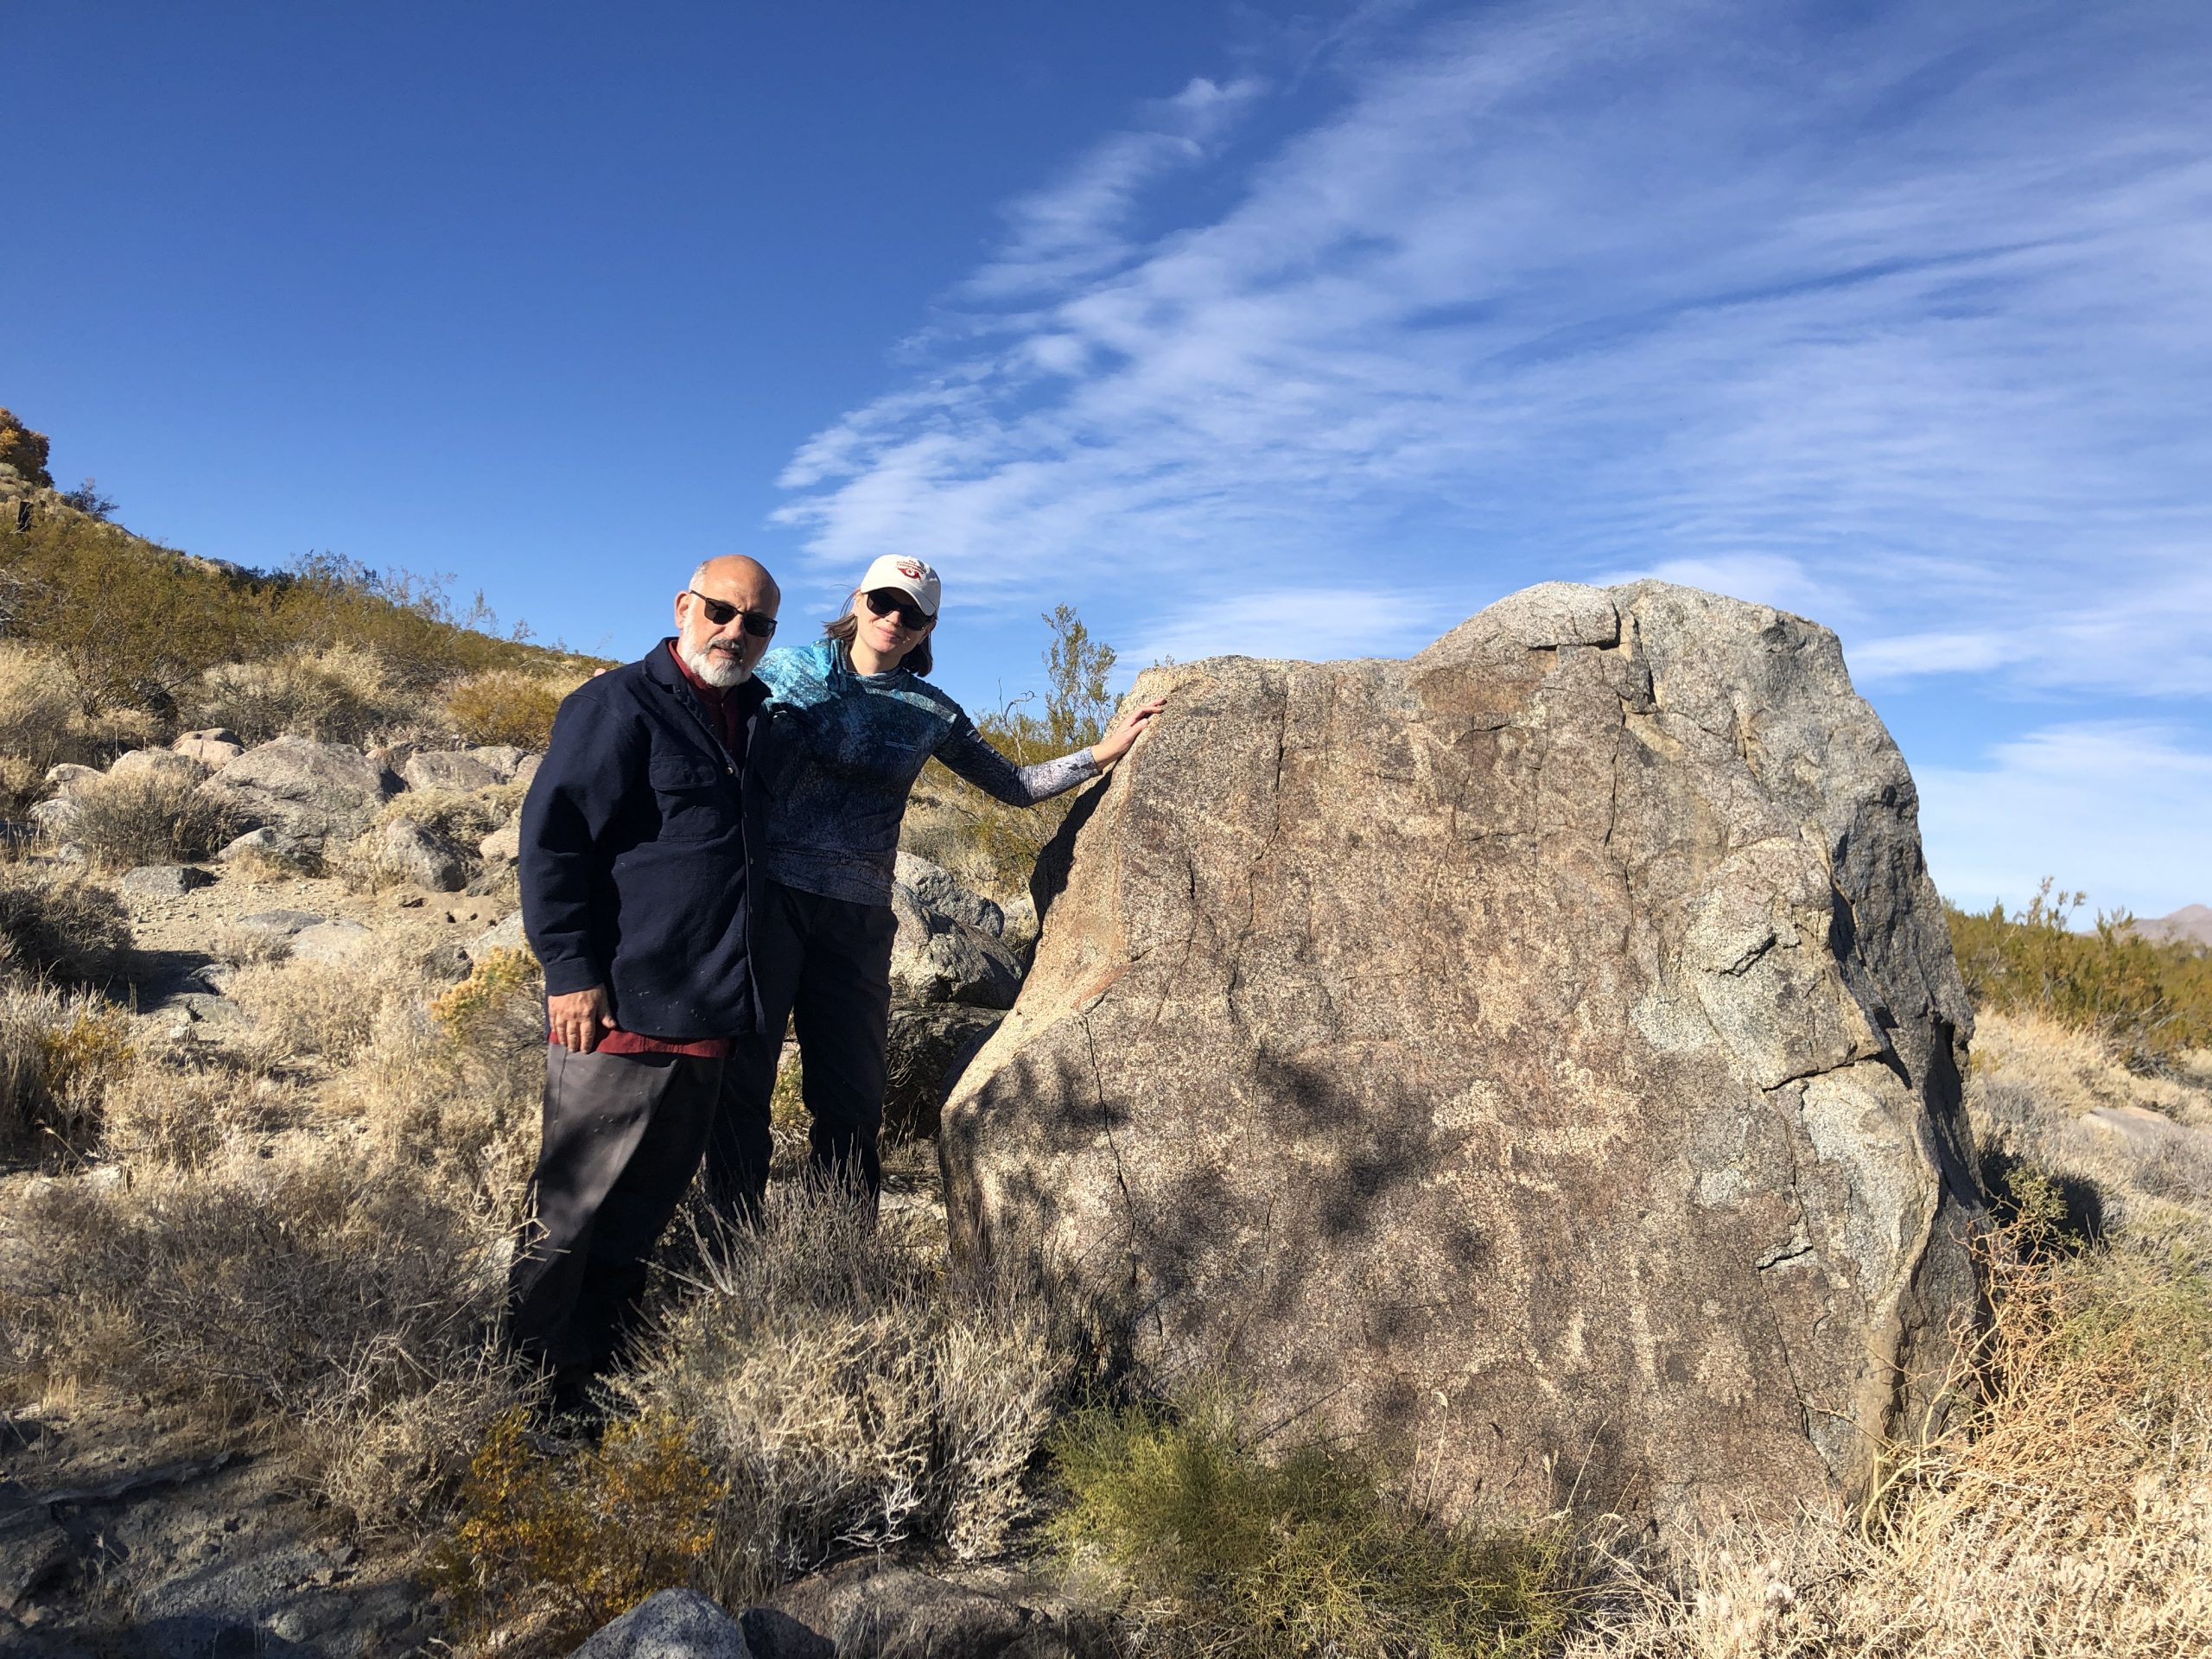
2118 808
1902 318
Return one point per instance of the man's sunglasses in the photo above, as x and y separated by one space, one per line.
758 624
885 601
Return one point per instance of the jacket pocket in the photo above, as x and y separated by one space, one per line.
693 795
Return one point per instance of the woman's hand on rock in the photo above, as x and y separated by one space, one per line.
1125 731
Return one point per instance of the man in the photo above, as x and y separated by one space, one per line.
635 897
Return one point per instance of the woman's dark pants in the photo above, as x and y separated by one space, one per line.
824 965
622 1141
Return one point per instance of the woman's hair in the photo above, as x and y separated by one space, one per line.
917 658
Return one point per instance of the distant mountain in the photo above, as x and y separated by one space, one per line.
2190 924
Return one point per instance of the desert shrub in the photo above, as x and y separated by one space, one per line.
572 1537
327 1009
24 450
453 1084
149 817
59 1052
2149 1002
1213 1548
87 498
504 705
189 1114
55 921
40 709
319 1296
340 694
844 1396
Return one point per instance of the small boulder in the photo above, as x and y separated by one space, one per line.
937 959
263 843
69 776
461 770
157 763
165 880
936 886
57 817
331 942
283 923
417 855
504 844
527 771
508 935
928 1049
213 748
1020 934
447 963
673 1624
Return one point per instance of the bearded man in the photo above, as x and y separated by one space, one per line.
635 895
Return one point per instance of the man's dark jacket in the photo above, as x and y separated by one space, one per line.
633 852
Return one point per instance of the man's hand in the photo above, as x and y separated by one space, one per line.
576 1018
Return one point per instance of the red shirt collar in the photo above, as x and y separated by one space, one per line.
713 695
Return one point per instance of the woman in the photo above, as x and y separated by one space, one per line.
853 724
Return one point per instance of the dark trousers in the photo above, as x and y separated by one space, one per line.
622 1140
824 965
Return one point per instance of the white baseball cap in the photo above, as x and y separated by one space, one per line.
909 575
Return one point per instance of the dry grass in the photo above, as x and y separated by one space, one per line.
329 1304
189 1111
845 1396
59 1054
507 706
57 921
340 694
149 817
325 1010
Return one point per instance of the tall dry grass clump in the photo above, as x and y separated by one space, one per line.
330 1011
149 817
57 922
59 1054
845 1394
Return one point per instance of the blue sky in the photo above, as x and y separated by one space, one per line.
1293 331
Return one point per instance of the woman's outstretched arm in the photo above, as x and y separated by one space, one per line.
967 753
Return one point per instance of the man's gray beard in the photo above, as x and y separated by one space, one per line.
721 672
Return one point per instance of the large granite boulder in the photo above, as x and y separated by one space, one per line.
1543 1056
314 792
461 770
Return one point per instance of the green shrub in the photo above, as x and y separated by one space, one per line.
577 1536
149 817
2149 1001
1203 1539
57 922
504 705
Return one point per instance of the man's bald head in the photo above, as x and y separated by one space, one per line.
733 567
723 653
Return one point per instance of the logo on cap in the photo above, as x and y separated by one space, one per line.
911 570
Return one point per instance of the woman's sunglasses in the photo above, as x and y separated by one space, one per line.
885 600
758 624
